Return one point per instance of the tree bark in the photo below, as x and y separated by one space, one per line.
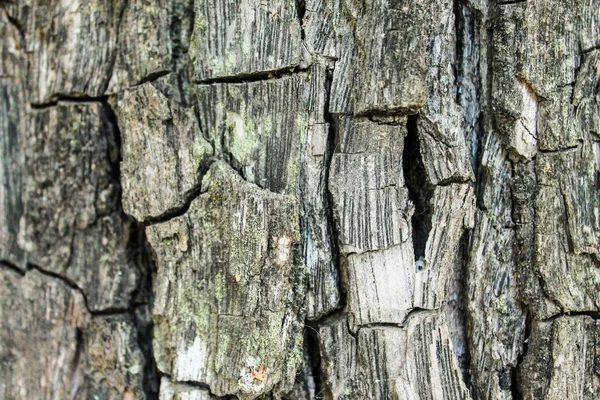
300 199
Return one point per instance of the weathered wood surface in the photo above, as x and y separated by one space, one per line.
299 199
52 347
229 288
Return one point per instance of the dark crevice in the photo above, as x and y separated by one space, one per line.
459 304
13 267
70 283
452 180
330 146
64 279
592 314
329 319
313 379
197 385
413 313
110 311
312 374
140 253
111 127
385 119
21 29
375 325
152 77
378 115
459 45
417 311
420 191
77 365
589 50
515 386
558 151
71 98
301 12
254 76
18 25
189 197
228 157
142 318
181 27
506 3
469 94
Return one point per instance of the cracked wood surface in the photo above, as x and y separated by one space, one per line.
299 199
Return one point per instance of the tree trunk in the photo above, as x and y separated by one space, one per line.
343 199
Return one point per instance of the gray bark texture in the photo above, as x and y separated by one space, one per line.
300 199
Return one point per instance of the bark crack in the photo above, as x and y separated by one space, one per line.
254 76
11 266
152 77
420 191
301 13
189 197
74 97
198 385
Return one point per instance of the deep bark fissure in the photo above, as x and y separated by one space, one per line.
254 77
13 267
331 145
412 313
139 248
504 3
314 382
469 89
558 151
301 13
515 387
188 198
329 318
197 385
524 181
181 16
145 331
461 306
592 314
152 77
459 45
18 25
57 98
420 191
77 363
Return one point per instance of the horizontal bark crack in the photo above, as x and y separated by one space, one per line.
198 385
592 314
70 283
558 151
254 76
413 313
152 77
57 98
13 267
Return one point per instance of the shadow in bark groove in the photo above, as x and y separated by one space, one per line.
140 306
420 191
